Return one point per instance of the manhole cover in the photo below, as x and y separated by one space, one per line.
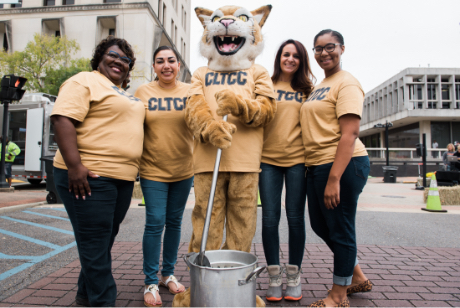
387 196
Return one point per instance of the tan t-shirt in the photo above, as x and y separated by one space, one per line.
110 131
168 142
334 97
245 152
282 137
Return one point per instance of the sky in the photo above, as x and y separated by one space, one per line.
381 37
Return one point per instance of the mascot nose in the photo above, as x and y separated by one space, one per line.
227 22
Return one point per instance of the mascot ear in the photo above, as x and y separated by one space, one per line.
204 15
261 14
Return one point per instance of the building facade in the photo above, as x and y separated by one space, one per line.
416 101
145 24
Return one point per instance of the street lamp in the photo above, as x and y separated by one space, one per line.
386 126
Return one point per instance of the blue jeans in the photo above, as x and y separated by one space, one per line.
8 172
95 223
337 227
164 206
271 185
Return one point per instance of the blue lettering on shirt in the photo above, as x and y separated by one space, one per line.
165 103
318 94
218 78
125 94
289 96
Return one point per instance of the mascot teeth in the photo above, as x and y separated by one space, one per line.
229 45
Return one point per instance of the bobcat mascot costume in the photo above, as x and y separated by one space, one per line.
231 84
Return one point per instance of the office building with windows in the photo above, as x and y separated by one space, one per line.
416 101
145 24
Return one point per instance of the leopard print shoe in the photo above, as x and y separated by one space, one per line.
321 303
366 286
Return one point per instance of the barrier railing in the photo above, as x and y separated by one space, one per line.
405 153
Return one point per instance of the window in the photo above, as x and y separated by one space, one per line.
440 131
182 16
5 42
431 91
1 6
49 3
181 44
431 105
51 27
404 137
4 39
430 80
112 1
172 31
445 80
415 92
445 92
164 14
57 33
68 2
106 25
185 21
17 4
457 91
112 32
445 105
175 35
185 48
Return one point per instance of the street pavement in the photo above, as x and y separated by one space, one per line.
412 256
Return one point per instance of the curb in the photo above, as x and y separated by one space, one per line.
20 207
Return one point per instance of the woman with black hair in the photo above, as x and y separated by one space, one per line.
283 161
166 171
95 172
337 165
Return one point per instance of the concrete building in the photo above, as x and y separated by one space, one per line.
416 101
145 24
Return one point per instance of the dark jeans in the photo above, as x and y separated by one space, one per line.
164 207
271 185
337 227
95 223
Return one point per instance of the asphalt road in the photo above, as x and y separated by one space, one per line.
50 233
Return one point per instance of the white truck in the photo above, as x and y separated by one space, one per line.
30 128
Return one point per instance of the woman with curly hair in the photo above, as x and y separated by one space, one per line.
99 130
283 161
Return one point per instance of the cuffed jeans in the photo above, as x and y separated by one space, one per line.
95 223
271 185
337 226
164 206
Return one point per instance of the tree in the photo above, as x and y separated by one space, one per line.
46 63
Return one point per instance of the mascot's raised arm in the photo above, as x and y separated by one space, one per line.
231 85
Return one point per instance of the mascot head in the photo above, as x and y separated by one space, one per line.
232 38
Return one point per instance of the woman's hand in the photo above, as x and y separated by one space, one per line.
78 182
332 194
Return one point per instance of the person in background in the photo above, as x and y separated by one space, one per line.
456 165
99 129
166 171
450 152
12 150
435 145
337 165
283 160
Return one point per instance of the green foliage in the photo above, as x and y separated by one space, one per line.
45 62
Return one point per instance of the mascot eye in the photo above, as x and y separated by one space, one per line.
215 18
243 18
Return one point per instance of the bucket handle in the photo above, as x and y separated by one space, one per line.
253 275
186 256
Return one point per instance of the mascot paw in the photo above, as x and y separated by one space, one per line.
227 103
219 134
259 302
183 299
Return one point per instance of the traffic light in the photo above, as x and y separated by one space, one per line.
419 149
12 88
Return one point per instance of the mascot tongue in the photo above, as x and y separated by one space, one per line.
228 47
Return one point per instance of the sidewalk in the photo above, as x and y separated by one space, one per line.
402 277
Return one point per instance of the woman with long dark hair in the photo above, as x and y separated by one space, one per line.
337 165
283 161
166 171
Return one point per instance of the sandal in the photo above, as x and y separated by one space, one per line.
321 303
365 286
153 288
165 284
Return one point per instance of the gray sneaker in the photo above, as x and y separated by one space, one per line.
294 287
275 287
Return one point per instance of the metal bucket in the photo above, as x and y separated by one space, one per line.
229 282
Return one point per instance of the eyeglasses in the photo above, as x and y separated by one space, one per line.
114 55
328 47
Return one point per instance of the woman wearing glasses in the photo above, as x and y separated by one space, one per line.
337 165
283 160
166 171
94 172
